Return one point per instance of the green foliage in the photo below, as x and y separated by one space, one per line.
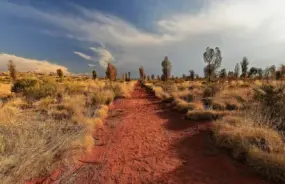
21 85
166 69
33 88
244 67
213 58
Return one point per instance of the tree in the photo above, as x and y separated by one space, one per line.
237 70
266 74
282 71
94 75
152 77
148 78
123 77
192 75
213 58
252 71
12 70
59 73
260 73
231 75
141 70
129 76
223 74
111 72
277 75
244 67
166 69
272 71
158 78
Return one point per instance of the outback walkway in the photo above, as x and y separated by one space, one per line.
146 142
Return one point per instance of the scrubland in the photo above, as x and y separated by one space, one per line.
47 122
248 117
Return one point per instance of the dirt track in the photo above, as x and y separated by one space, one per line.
145 142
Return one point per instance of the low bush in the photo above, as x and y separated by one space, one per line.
197 115
254 143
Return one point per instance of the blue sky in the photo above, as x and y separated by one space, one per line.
82 35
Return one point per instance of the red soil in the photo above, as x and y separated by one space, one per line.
146 142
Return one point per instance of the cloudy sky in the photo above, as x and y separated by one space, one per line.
80 35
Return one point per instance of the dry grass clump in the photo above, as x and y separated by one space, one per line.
198 115
102 97
260 146
31 149
123 89
257 135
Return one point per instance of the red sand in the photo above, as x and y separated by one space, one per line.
146 142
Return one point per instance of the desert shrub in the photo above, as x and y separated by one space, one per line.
74 87
218 105
102 98
21 85
41 91
33 88
198 115
272 100
211 90
253 142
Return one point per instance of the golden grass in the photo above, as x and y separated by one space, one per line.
262 146
197 115
5 90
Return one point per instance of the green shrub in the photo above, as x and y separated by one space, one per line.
21 85
41 91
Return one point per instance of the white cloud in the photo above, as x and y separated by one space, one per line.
84 56
92 65
105 56
253 28
24 64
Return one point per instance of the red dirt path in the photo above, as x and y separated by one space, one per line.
146 142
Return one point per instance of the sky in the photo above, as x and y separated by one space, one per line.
79 36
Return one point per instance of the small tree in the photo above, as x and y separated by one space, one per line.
94 75
12 70
260 73
129 76
192 75
123 77
237 69
59 73
152 77
244 67
158 78
277 75
282 71
223 74
266 74
148 78
252 72
111 72
213 58
166 69
231 76
141 70
272 71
